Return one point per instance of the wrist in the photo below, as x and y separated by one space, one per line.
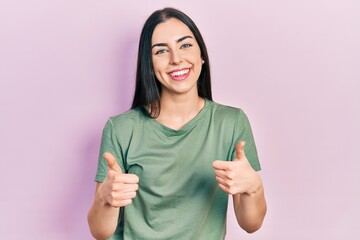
100 199
256 185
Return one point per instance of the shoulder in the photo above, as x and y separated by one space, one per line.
227 112
131 117
127 122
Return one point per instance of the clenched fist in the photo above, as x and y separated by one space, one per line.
119 188
237 176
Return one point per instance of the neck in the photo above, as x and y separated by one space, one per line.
176 111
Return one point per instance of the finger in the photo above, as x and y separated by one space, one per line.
229 183
221 165
226 175
120 203
220 173
125 187
224 188
229 189
129 195
111 162
124 203
222 181
127 178
116 196
240 150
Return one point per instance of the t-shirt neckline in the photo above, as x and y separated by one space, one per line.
184 129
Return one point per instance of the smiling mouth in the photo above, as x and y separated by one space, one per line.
179 73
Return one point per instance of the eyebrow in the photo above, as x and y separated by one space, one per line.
177 41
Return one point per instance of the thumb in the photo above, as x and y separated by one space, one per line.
111 162
240 150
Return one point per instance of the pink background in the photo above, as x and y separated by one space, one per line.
293 66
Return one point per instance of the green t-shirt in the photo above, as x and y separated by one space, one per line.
178 196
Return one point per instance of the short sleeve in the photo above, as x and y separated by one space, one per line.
244 133
109 143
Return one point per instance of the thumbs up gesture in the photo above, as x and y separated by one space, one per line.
237 176
119 188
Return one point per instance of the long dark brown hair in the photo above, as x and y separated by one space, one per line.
148 88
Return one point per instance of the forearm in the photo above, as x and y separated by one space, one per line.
102 219
250 209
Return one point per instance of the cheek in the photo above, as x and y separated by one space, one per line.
159 65
195 58
158 69
198 62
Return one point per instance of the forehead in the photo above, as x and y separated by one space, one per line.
170 30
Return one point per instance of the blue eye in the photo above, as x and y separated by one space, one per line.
186 45
160 51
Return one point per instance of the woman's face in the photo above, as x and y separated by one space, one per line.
176 57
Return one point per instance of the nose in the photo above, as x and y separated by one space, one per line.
175 58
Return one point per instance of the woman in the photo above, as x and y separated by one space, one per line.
166 167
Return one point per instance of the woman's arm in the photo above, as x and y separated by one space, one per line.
102 217
239 179
250 209
116 191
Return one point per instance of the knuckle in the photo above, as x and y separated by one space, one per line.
113 187
112 195
230 175
137 179
133 194
115 203
126 202
118 178
232 192
110 200
229 166
217 179
133 178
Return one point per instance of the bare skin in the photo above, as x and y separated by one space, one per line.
116 191
240 180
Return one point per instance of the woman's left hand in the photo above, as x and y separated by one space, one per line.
237 176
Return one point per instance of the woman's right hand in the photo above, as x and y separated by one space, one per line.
119 188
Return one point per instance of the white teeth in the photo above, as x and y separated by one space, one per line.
179 73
